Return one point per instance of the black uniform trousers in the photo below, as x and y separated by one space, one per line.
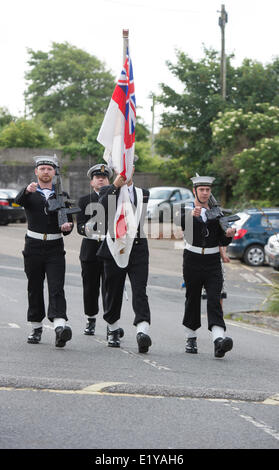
45 259
202 271
137 271
92 273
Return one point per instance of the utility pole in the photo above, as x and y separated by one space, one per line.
223 19
125 34
153 97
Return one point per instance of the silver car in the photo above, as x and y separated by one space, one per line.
271 251
163 200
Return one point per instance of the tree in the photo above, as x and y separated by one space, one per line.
259 173
25 133
5 117
66 80
248 157
255 83
187 134
73 128
189 113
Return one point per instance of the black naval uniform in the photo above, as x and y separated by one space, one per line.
137 269
203 270
43 258
91 265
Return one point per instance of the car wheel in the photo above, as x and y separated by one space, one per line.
254 255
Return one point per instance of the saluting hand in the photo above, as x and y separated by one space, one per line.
32 187
196 212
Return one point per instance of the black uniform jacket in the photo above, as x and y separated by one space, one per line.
202 234
38 218
88 247
140 245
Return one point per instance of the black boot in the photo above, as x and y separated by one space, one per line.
144 342
90 327
191 346
120 331
113 338
222 345
63 334
35 336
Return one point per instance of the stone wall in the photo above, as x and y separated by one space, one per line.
17 170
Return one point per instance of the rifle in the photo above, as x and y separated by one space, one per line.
215 212
57 204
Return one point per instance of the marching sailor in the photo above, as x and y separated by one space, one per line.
202 268
137 268
44 253
93 232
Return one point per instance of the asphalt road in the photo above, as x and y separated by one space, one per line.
89 396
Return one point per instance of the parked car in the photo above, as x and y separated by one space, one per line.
10 211
253 231
271 251
163 200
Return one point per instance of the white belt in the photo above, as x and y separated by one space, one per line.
94 236
44 236
202 251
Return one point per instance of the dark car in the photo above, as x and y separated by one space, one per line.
253 231
10 211
164 200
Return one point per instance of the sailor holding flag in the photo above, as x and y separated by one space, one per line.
125 248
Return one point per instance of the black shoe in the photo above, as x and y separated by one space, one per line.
191 346
222 345
90 327
144 341
120 330
35 336
113 338
62 336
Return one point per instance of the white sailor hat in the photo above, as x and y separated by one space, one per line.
202 180
100 169
46 160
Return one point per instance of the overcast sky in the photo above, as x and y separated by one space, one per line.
156 28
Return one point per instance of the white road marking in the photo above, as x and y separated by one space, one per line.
250 278
9 325
13 325
137 356
258 424
264 278
13 268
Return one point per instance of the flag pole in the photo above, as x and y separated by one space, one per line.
125 34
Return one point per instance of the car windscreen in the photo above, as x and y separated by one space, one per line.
159 193
186 194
